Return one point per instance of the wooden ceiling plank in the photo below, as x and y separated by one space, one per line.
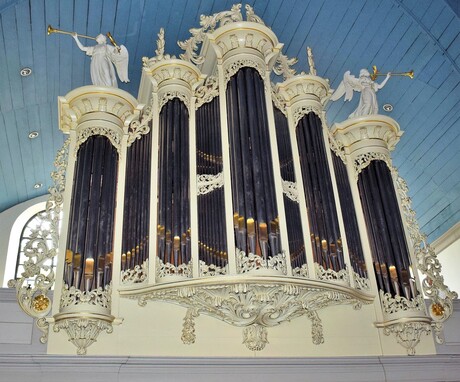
52 50
319 29
108 16
37 9
10 35
293 21
19 181
46 140
9 196
295 46
66 46
80 62
6 102
441 23
94 17
281 18
33 116
25 50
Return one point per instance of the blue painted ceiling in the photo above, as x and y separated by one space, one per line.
395 35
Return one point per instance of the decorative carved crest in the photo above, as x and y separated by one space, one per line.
283 66
159 51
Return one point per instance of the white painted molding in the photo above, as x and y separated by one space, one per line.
52 368
447 239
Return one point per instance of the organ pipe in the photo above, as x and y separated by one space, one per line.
390 253
255 211
322 214
88 259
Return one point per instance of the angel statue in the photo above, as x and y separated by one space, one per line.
103 59
364 84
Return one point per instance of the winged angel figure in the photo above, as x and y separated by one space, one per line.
103 59
364 84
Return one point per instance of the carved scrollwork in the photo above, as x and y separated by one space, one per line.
361 283
251 16
113 136
164 270
301 271
397 304
290 190
250 262
441 297
408 334
72 297
40 249
300 111
212 270
207 183
169 95
138 274
236 65
139 128
278 100
83 331
283 66
255 305
331 275
206 92
336 146
208 24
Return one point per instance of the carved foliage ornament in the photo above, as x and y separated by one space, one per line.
253 306
160 52
97 297
168 269
236 65
300 111
138 274
283 66
138 128
208 24
290 190
331 275
398 303
169 95
83 331
408 333
250 262
41 248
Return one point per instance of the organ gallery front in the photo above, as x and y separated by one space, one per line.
218 214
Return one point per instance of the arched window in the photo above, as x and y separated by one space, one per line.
34 227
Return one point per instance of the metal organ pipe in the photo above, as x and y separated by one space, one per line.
294 224
386 232
255 211
322 213
90 235
173 231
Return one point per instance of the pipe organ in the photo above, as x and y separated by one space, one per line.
229 195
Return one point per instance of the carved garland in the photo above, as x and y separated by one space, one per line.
42 247
212 270
113 136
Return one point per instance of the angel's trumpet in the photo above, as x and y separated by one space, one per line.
376 73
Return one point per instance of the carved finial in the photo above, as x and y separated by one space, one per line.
159 51
160 45
311 62
251 16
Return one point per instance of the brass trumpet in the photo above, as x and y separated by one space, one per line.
54 30
109 35
376 73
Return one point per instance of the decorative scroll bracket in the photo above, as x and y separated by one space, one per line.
254 304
